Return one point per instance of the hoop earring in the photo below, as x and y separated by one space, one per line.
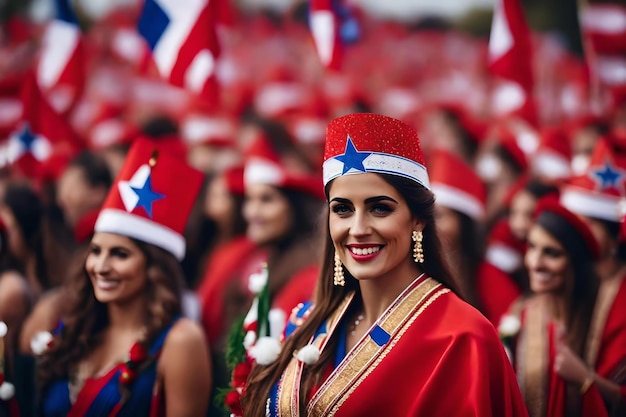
338 278
418 249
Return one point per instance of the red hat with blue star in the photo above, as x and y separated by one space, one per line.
601 191
151 199
367 142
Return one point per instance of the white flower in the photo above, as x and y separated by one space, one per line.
309 354
40 342
7 391
256 282
278 320
265 351
509 326
3 329
249 339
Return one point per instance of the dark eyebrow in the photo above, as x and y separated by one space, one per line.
340 200
378 199
367 200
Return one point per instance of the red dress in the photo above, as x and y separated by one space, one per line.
228 273
606 346
222 266
545 392
430 354
496 291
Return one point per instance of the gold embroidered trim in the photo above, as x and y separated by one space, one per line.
533 360
349 374
386 351
289 388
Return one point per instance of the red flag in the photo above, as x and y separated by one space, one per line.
183 39
603 27
510 62
325 28
10 103
60 67
43 142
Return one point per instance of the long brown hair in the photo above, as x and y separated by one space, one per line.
580 293
328 297
85 317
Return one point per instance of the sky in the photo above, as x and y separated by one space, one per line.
397 9
407 9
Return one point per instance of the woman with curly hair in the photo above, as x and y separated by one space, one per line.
122 348
25 272
388 334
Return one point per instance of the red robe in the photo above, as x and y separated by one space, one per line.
430 354
496 292
221 267
232 265
543 389
606 346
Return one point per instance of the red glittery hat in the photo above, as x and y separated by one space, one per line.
601 190
151 199
367 142
456 185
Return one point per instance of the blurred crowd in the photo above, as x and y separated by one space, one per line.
273 104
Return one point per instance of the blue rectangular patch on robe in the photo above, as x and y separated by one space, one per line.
379 336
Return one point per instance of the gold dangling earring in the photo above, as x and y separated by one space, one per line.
338 278
418 249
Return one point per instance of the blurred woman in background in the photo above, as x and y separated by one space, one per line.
597 196
555 319
282 207
26 274
122 348
459 210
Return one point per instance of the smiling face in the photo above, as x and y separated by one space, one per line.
116 268
370 225
547 262
268 214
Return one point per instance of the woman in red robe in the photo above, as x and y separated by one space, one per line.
555 318
598 199
388 334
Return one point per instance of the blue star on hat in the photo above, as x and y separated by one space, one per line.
147 196
26 137
608 176
352 158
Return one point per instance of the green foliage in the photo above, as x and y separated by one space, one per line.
263 310
235 351
220 398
